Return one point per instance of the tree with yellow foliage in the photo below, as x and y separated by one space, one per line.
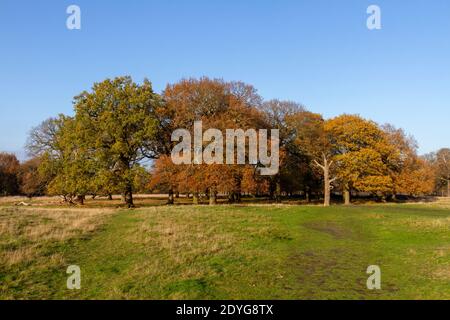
363 154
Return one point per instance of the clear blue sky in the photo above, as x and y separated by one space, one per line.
317 52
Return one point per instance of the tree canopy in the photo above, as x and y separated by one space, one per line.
119 124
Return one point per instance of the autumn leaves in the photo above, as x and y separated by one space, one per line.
119 124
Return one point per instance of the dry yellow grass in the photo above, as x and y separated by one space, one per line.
34 201
24 230
443 203
428 224
182 233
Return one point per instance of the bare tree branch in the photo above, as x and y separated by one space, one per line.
319 165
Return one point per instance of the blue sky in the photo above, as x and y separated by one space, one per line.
317 52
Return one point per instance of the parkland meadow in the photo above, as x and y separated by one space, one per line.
226 251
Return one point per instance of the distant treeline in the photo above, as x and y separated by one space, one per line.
119 124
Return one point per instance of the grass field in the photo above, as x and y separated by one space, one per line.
226 252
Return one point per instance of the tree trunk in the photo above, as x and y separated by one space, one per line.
212 197
346 194
129 196
110 197
177 194
278 191
272 189
448 187
129 200
170 200
308 194
195 198
234 197
237 189
80 200
326 179
327 185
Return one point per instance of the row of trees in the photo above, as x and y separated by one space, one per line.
20 178
118 124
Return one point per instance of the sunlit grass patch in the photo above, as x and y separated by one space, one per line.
226 252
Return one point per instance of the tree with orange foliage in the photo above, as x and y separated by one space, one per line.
416 178
411 174
164 176
218 105
252 183
9 168
32 182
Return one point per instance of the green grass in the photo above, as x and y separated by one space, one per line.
232 252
